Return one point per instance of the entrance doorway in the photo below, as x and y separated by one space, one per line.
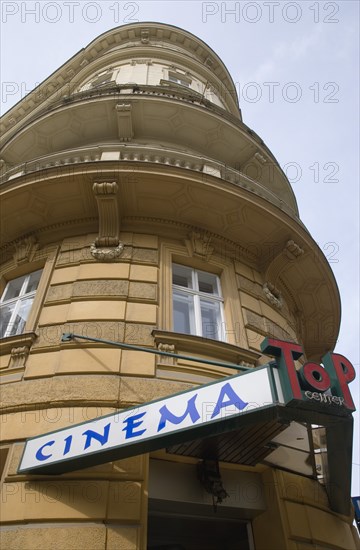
182 532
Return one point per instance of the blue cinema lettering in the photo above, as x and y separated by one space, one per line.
40 455
90 434
234 399
167 415
68 441
132 422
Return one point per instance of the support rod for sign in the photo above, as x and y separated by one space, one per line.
67 337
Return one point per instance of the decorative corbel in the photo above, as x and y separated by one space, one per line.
124 121
2 165
275 273
18 357
279 262
293 250
167 360
107 246
273 294
25 250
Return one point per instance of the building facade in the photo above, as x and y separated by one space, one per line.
137 207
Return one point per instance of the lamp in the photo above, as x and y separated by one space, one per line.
210 478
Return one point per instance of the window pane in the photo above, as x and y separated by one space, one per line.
210 319
20 318
13 288
207 283
178 80
33 281
5 316
183 313
182 276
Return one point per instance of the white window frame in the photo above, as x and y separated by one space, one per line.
197 295
18 300
179 79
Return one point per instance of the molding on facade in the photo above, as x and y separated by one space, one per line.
144 37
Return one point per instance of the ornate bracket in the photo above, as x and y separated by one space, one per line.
273 295
279 263
107 246
2 165
169 348
124 120
18 357
292 250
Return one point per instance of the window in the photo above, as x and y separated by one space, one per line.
102 79
197 303
16 302
178 80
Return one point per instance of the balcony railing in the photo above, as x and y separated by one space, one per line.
145 154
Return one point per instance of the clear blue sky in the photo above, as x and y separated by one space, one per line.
295 65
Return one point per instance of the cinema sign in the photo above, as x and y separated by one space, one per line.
201 412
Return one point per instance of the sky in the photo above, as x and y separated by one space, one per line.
295 67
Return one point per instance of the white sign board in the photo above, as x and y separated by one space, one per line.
148 427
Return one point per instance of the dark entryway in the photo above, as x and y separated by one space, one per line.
181 532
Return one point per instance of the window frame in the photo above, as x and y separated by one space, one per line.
234 325
18 302
45 260
196 296
179 79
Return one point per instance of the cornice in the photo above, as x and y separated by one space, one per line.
140 153
243 147
159 35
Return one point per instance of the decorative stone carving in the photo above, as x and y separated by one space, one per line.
124 120
145 36
273 295
293 250
106 254
18 357
25 250
163 359
107 246
201 244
